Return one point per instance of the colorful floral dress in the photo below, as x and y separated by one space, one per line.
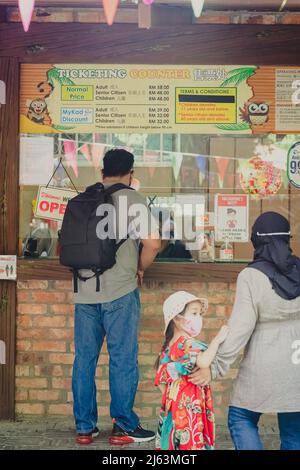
186 420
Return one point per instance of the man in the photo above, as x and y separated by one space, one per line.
113 312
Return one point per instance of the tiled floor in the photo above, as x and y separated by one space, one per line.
50 433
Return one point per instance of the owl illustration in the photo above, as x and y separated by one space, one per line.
255 113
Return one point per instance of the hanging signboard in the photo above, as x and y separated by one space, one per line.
293 164
232 217
52 202
85 98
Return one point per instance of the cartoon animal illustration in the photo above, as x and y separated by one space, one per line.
255 113
45 89
38 112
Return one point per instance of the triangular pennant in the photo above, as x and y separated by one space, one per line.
177 161
151 171
85 150
202 164
222 164
97 154
197 6
71 155
26 8
110 9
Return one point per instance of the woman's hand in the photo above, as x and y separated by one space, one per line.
200 377
222 335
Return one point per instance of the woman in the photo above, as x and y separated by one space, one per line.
265 319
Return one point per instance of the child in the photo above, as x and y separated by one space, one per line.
186 417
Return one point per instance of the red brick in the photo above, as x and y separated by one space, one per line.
32 309
53 346
146 385
44 395
43 370
45 333
144 348
151 397
62 308
23 296
291 18
215 323
23 345
258 19
33 285
24 321
48 297
213 19
30 408
31 383
61 383
145 412
152 323
66 358
57 371
21 395
22 371
61 409
103 411
146 360
49 321
63 285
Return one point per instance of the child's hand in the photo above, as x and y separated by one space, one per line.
222 335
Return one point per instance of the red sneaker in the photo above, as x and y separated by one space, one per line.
86 438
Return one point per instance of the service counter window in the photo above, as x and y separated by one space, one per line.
231 178
223 139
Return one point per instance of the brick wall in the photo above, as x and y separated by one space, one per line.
45 346
96 15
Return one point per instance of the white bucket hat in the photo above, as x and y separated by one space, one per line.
177 302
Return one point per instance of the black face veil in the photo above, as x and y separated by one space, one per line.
273 255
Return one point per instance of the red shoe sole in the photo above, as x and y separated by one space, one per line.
116 440
84 440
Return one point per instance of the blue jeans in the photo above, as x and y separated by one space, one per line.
243 427
118 321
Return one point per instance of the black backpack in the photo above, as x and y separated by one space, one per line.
80 247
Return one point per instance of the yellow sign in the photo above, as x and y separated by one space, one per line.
206 105
114 98
77 93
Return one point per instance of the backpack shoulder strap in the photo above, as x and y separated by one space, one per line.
95 187
116 187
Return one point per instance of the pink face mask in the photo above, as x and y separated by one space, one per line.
192 326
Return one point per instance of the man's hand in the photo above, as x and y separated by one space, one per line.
140 276
200 377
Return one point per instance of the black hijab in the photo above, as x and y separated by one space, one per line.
273 255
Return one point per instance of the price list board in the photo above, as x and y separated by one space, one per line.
215 99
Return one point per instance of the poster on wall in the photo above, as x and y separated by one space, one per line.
8 267
293 164
36 159
232 217
209 99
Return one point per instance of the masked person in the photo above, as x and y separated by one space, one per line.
186 419
266 322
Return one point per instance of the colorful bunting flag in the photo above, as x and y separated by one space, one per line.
71 155
110 10
97 151
26 8
177 161
222 165
197 6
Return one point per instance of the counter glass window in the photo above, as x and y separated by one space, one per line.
232 179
